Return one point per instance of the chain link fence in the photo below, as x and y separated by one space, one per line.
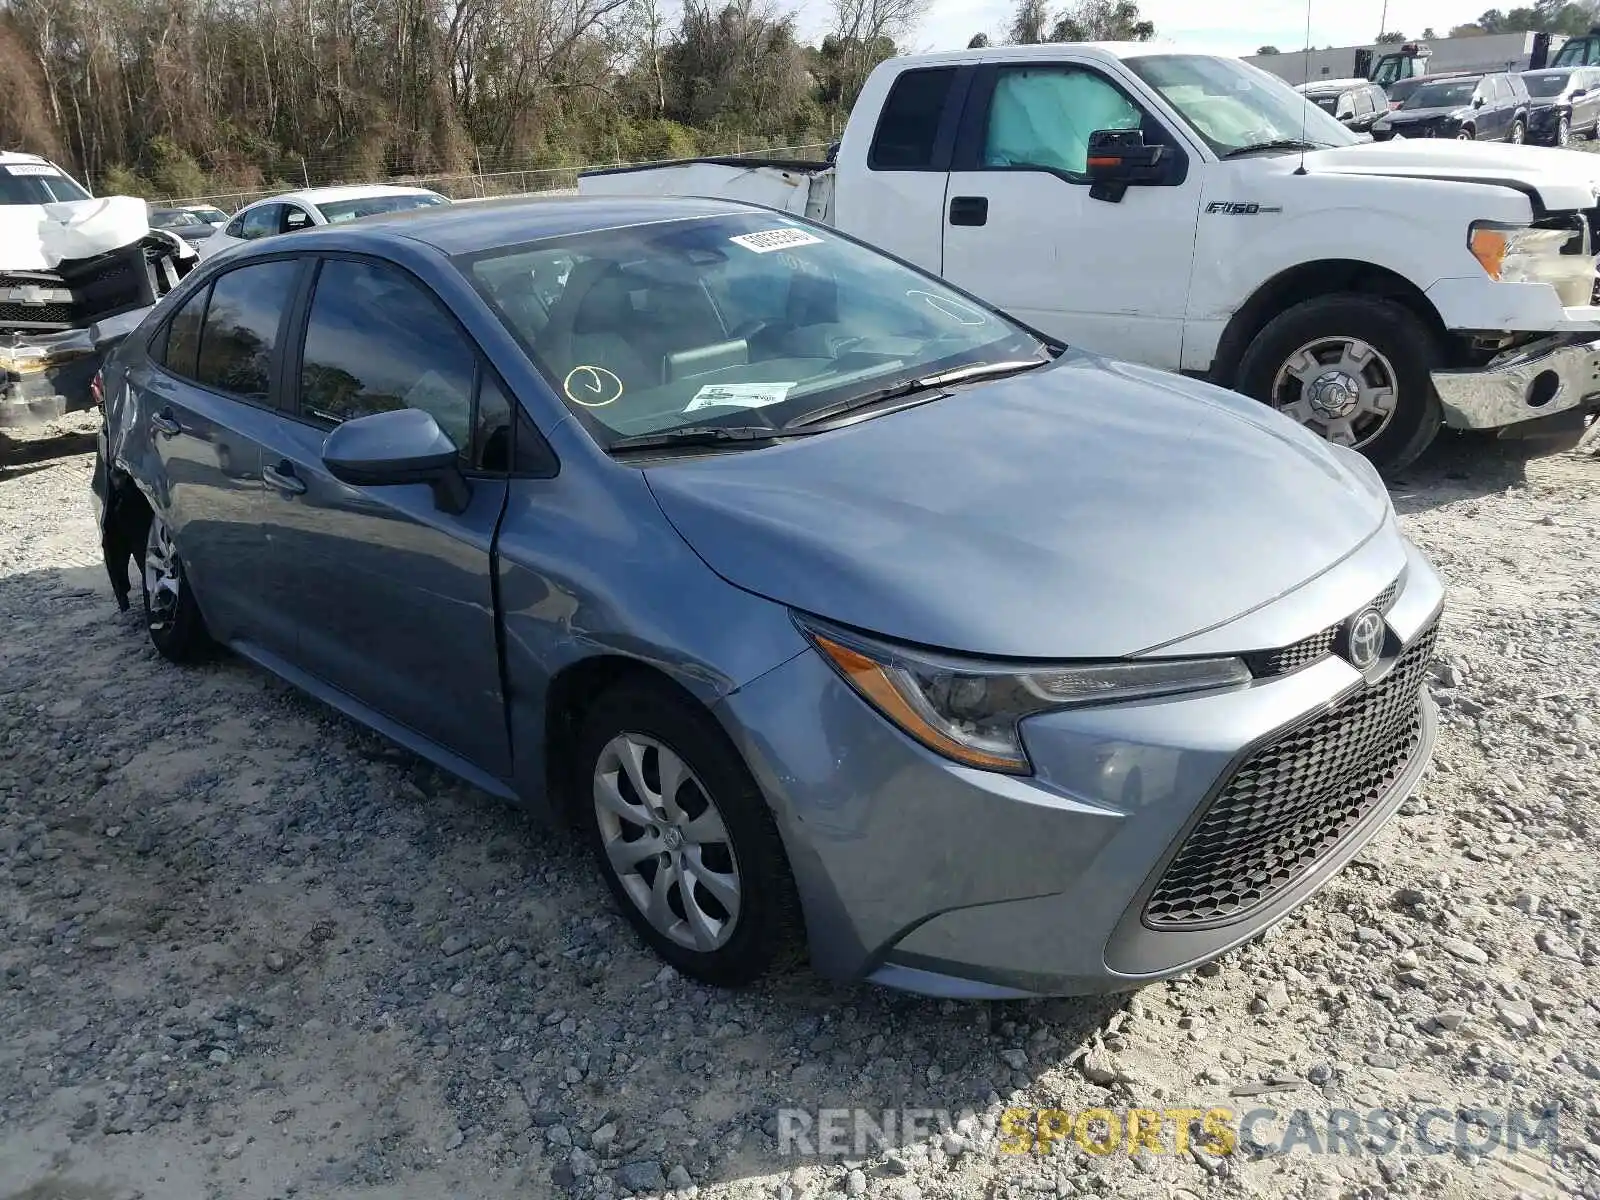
502 180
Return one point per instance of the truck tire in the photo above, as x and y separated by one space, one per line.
1353 368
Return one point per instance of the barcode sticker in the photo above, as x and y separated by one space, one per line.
739 395
768 240
29 169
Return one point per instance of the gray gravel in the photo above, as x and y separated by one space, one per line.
249 950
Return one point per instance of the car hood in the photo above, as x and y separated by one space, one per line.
1092 509
1563 179
38 237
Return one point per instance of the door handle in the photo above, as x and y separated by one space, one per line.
282 478
969 210
166 424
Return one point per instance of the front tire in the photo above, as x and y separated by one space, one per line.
1466 135
683 837
170 612
1355 369
1519 133
1564 131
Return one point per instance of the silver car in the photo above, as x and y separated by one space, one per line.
834 608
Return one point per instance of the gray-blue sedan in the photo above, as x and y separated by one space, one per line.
835 607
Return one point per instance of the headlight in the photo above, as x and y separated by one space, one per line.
1521 255
969 711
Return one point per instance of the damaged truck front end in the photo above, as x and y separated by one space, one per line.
70 271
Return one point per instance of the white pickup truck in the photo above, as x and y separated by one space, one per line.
76 273
1193 213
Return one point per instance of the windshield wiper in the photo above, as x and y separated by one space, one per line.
1276 144
910 387
696 435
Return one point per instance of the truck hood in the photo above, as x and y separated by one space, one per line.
38 237
1562 179
1091 509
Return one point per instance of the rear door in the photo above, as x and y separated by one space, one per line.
897 202
1586 108
208 390
1022 230
391 597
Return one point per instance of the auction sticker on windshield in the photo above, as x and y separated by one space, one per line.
42 169
767 240
739 395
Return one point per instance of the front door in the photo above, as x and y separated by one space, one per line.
391 595
1023 232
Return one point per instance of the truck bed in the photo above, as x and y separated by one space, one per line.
803 188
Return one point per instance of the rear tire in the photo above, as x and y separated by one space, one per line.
170 612
1320 339
683 837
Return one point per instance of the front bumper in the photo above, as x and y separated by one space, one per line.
920 874
1553 375
45 375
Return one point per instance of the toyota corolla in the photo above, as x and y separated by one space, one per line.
834 608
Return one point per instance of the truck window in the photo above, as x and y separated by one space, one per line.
1043 116
909 125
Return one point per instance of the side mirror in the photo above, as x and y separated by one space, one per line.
1477 102
404 445
1579 93
1120 159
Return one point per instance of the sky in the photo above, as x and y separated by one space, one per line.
1221 26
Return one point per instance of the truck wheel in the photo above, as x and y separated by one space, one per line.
170 611
1355 369
684 838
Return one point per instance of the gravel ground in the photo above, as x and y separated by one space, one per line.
249 950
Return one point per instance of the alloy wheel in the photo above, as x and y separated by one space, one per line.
1519 134
665 838
1340 387
162 581
1563 131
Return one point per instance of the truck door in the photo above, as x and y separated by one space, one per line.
1022 230
897 203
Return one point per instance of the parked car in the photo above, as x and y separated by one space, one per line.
182 222
1564 101
209 213
720 534
1486 108
1354 103
295 211
1193 213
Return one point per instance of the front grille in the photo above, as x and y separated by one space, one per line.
1293 801
1318 646
83 290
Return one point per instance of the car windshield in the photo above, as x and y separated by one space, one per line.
1401 88
1546 85
172 220
210 216
730 320
1234 106
36 183
1327 101
1453 94
338 211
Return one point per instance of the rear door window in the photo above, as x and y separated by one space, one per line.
240 333
909 126
183 335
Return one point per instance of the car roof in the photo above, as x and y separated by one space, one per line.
17 157
1335 85
498 224
365 191
1100 50
1553 71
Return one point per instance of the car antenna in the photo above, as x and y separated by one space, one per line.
1305 97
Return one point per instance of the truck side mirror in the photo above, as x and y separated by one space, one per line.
1477 102
1120 159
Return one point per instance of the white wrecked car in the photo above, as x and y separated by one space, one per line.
75 271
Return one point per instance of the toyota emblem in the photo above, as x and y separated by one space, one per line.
1364 638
